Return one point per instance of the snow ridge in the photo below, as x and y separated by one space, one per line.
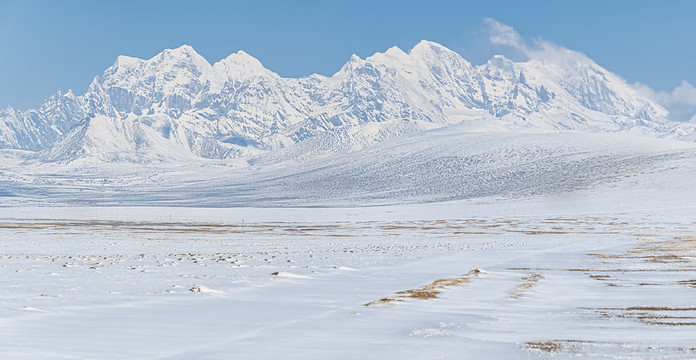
177 105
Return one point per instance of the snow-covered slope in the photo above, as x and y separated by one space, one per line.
444 164
177 105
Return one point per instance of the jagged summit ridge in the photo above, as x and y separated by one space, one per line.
180 105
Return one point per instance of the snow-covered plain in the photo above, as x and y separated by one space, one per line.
533 245
532 280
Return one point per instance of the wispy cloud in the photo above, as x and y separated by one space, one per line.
681 102
501 34
537 49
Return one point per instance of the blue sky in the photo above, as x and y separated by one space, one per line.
50 45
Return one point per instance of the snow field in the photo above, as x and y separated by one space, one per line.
600 285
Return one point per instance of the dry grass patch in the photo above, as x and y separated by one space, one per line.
690 283
650 315
604 349
548 346
530 281
430 291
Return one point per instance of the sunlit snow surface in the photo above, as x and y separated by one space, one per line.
551 245
465 161
198 283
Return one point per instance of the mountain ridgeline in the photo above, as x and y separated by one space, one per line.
177 105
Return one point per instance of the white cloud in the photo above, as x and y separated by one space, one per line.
505 35
501 34
685 94
681 102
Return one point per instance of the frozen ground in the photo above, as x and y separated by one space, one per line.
552 245
507 279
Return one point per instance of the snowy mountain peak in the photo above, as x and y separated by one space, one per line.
500 67
354 59
127 61
240 64
425 47
95 84
436 56
395 52
393 57
183 57
182 54
177 105
186 50
9 109
354 62
243 56
499 61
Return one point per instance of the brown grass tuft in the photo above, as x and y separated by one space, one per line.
430 291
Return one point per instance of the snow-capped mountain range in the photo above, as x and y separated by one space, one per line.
177 105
